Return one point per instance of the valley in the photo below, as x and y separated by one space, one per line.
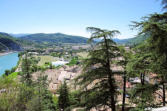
58 55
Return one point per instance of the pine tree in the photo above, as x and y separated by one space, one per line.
26 76
45 96
156 27
126 58
139 66
26 89
97 80
63 100
164 4
42 99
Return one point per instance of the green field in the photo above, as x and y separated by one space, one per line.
83 54
46 59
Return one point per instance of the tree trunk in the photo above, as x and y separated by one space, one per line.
142 76
124 93
111 91
110 76
113 104
142 83
163 88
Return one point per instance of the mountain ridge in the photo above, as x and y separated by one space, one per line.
54 38
17 41
7 43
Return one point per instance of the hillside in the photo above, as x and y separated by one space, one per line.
131 41
7 42
54 38
128 42
19 35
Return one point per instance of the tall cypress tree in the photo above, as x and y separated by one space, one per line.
97 80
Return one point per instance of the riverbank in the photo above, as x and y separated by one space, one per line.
6 53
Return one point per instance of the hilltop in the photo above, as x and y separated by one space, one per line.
54 38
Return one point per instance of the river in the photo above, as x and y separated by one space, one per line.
8 61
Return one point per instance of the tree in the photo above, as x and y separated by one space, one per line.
42 100
97 80
63 100
139 66
164 3
26 89
26 76
7 72
156 27
126 58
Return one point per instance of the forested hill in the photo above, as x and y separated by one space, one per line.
131 41
54 38
7 43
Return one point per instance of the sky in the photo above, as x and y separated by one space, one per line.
73 16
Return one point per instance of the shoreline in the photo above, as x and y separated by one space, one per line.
6 53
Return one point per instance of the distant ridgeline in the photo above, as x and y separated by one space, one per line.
18 41
54 38
7 43
131 41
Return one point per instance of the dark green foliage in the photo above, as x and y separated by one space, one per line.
97 83
42 99
126 55
139 66
26 71
143 96
7 72
73 61
150 56
164 3
33 95
63 100
74 98
27 89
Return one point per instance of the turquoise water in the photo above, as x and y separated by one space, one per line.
8 61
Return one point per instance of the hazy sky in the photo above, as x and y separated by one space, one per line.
73 16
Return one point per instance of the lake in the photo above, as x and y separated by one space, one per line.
8 61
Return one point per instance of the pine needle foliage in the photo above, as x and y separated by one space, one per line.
97 81
63 100
155 26
164 4
26 76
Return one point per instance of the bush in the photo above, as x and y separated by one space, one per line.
7 72
74 61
